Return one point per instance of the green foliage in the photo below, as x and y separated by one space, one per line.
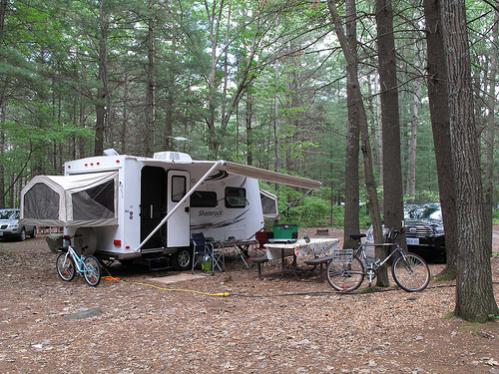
313 212
426 196
277 54
495 218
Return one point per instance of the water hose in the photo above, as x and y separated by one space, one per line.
217 294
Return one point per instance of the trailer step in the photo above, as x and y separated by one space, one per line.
158 263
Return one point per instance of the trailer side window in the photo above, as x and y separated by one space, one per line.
178 188
95 202
41 202
235 197
204 199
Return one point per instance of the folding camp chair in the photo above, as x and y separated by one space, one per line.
201 248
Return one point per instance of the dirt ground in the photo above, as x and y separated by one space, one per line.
281 324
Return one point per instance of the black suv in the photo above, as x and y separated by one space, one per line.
424 228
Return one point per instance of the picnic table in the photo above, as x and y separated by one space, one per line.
315 247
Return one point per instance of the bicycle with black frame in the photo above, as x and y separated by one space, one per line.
349 267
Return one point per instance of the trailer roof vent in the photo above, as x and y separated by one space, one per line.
177 157
110 152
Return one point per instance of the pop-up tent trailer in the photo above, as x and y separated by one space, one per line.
125 207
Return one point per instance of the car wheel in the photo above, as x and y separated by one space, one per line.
33 233
182 259
22 235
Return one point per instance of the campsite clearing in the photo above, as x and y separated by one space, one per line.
47 325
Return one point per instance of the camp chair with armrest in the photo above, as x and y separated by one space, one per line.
202 247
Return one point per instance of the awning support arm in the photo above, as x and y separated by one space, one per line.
215 166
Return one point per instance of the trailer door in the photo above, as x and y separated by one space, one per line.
179 224
152 205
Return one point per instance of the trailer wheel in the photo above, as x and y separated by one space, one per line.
182 259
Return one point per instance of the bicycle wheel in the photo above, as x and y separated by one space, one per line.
65 267
411 273
345 277
92 271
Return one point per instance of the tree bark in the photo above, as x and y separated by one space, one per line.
439 113
372 108
249 128
474 293
101 109
151 83
3 11
352 71
413 140
2 153
490 139
351 218
81 123
214 15
393 205
124 122
275 123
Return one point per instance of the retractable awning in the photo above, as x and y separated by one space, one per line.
233 168
269 176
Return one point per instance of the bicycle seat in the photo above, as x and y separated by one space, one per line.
357 236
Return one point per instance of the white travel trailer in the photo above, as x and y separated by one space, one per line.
126 207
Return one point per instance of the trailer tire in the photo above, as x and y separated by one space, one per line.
182 259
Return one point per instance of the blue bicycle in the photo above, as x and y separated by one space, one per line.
69 263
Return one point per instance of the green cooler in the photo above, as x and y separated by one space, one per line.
285 232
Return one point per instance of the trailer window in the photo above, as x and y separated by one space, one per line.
269 205
95 202
41 202
235 197
178 188
204 199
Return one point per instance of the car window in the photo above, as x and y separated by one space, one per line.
430 211
436 215
6 214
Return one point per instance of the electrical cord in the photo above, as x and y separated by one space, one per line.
238 294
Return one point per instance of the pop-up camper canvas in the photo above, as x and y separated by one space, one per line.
125 207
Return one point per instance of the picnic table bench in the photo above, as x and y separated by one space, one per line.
321 261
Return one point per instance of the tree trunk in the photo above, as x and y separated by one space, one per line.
352 71
490 140
439 113
393 206
351 218
102 92
375 130
474 293
3 11
214 17
223 113
81 123
275 122
249 128
413 138
237 131
124 122
2 153
151 84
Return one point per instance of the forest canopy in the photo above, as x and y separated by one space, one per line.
258 82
